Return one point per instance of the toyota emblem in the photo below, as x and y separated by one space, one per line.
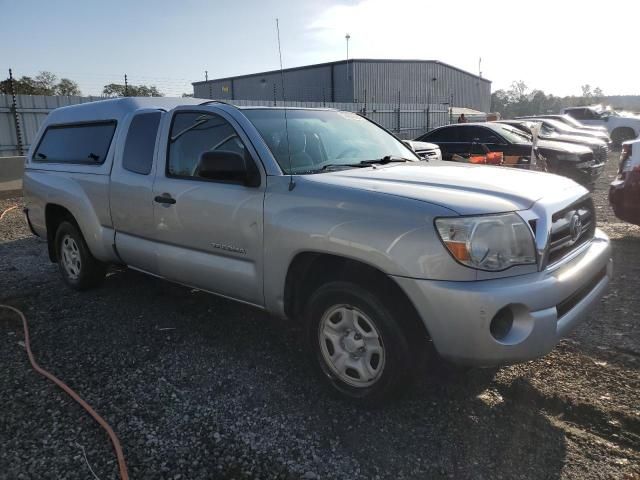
575 227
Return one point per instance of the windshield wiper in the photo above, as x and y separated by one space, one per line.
330 166
384 160
363 163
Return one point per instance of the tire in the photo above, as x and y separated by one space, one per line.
358 345
621 135
79 269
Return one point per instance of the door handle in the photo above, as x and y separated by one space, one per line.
165 199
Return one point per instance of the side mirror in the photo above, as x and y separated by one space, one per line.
227 166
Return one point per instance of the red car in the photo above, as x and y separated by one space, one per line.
624 193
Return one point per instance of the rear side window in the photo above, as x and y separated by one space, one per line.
441 135
86 143
141 142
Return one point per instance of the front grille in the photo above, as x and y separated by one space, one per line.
427 154
570 228
587 158
602 154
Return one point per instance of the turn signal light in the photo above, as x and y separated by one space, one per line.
459 250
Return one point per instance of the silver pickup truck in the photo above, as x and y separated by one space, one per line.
324 218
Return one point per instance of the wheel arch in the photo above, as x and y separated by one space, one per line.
618 134
309 270
54 215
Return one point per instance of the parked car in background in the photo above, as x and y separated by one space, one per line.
572 122
426 151
323 218
562 128
624 193
464 140
600 148
621 127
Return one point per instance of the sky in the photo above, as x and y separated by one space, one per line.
552 45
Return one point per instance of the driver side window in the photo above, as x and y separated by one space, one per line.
192 134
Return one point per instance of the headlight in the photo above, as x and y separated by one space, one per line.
490 242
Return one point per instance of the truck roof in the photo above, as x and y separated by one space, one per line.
118 108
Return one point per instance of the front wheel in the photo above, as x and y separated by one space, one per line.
79 269
359 346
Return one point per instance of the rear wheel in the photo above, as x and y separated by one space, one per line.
360 347
621 135
79 268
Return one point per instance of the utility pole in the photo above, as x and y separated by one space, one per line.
451 108
126 86
14 111
206 79
346 65
431 83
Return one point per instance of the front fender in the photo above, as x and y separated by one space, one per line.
393 234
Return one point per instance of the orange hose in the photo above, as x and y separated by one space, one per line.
7 211
122 466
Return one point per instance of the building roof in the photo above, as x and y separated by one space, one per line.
340 62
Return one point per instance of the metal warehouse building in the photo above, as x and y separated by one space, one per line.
358 80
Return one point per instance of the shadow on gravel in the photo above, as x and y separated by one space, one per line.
195 384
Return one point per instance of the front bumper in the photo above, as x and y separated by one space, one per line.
546 305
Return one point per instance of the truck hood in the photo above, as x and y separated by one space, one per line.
564 147
466 189
591 141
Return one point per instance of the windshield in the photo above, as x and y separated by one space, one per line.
321 138
572 121
558 126
512 134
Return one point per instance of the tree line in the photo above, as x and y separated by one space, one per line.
47 83
519 100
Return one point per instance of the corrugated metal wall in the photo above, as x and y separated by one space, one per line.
324 83
414 82
32 110
359 81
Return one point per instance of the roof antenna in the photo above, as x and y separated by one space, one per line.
292 184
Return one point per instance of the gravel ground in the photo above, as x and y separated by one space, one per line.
198 387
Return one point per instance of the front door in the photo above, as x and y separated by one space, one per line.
209 233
